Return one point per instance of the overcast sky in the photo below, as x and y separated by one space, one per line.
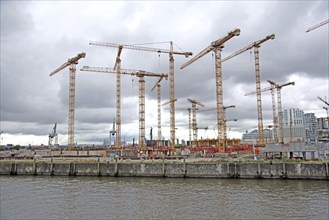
39 36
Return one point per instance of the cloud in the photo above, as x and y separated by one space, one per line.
37 37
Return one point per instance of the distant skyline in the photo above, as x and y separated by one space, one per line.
39 36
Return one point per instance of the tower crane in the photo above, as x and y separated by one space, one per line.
189 122
225 120
53 135
280 112
225 127
189 109
216 46
138 73
171 52
158 85
324 101
194 123
256 45
72 63
317 25
325 108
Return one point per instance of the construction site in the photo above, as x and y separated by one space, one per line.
156 146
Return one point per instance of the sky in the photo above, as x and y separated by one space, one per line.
39 36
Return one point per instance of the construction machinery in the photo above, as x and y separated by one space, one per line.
138 73
113 134
216 46
53 135
72 63
171 52
158 85
225 120
194 123
256 45
325 108
317 25
280 112
189 122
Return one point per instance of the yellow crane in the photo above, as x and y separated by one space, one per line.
158 85
325 108
138 73
225 127
171 52
194 123
225 120
317 25
72 63
216 46
280 112
256 45
189 122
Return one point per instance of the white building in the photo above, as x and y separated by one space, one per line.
293 125
311 127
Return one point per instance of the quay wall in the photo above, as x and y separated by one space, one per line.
167 168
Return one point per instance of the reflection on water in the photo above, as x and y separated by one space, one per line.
35 197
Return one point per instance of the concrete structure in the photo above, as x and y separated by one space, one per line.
252 137
168 168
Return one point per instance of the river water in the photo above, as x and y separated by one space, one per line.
37 197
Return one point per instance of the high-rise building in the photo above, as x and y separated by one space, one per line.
322 123
293 125
311 127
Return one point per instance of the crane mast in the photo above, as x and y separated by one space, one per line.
194 123
225 127
275 117
280 112
256 45
117 67
171 75
189 122
158 85
138 73
317 25
72 63
216 46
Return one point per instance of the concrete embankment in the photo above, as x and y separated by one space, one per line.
168 168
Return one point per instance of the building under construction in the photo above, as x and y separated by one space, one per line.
171 147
